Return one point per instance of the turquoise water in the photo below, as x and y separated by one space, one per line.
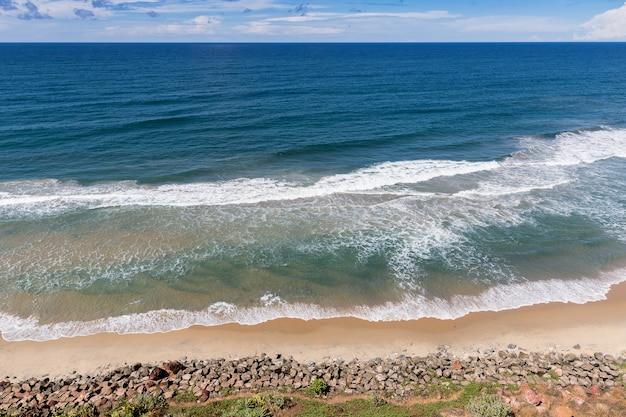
150 187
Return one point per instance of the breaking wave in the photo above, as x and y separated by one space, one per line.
271 307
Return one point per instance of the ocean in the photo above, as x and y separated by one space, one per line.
152 187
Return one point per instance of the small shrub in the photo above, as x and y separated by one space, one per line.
248 407
378 400
141 405
318 387
86 411
126 410
488 406
274 402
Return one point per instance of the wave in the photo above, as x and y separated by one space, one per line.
573 148
271 307
54 195
539 165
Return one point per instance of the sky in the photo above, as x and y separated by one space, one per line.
317 21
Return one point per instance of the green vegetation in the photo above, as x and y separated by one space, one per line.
185 397
488 405
265 405
444 388
350 408
551 375
212 409
87 411
318 387
434 408
476 399
247 407
142 405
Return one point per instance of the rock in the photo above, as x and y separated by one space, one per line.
530 395
158 373
173 367
578 374
570 357
204 396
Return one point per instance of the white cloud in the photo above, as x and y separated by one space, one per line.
608 25
65 9
308 24
430 15
256 28
310 17
199 25
511 24
204 20
267 28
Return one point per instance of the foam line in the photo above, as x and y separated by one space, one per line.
51 196
270 307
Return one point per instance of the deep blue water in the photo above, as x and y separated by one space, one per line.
162 185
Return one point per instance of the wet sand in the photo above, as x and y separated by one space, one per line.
598 326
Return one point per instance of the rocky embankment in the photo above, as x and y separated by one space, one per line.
397 376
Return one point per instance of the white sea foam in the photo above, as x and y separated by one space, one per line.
516 174
573 148
499 298
53 196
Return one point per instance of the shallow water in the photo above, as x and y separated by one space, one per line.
152 187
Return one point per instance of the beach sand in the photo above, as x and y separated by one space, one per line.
598 326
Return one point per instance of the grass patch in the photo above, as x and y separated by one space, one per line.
141 405
351 408
214 409
318 387
185 397
477 399
444 388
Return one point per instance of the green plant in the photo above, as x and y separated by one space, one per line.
274 402
141 405
318 387
431 409
551 375
378 400
443 389
185 397
475 389
225 392
86 411
488 405
126 410
512 387
248 407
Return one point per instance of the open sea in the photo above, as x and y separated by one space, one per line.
152 187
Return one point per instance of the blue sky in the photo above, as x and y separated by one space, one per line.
315 21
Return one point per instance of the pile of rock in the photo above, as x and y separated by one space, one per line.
401 375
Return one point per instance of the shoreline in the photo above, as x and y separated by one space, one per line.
594 327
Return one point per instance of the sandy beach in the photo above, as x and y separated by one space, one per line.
598 326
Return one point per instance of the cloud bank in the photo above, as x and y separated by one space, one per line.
608 25
294 21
